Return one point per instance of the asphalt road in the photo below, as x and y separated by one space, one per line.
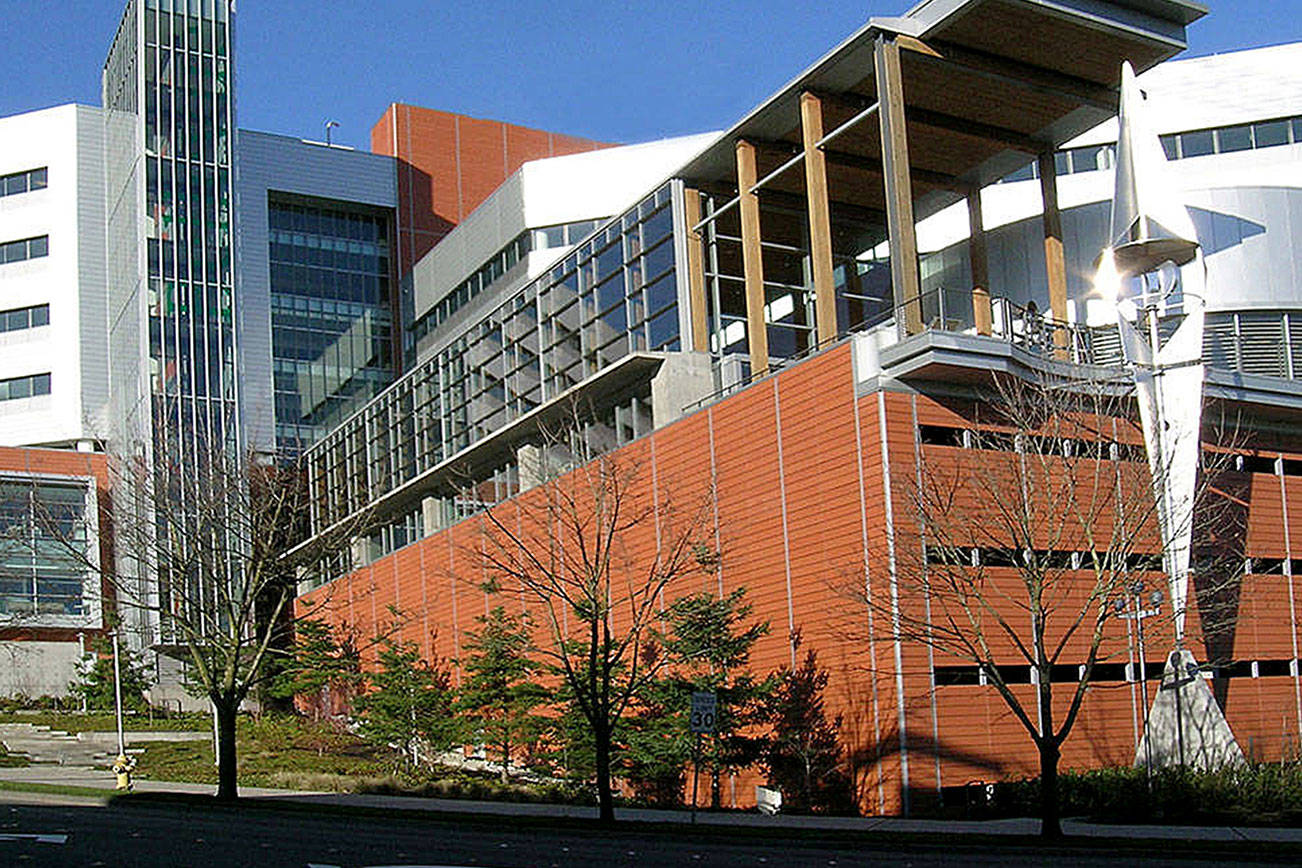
183 835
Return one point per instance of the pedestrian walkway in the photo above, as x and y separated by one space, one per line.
42 744
96 779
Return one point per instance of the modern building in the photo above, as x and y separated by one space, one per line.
821 292
177 283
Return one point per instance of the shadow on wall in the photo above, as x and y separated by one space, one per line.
419 226
1217 562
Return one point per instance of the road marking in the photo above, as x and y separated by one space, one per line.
40 839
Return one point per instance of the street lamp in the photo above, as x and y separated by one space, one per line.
1132 608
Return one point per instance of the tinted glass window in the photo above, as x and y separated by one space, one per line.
1270 134
1196 144
1235 138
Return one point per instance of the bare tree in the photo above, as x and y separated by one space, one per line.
207 550
592 552
1021 543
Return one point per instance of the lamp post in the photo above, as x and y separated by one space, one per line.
1122 608
117 696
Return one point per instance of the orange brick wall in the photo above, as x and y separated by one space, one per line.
449 163
807 475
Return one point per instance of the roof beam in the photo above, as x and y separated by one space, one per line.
925 177
795 205
1013 72
974 129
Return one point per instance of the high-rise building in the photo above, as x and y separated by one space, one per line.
173 308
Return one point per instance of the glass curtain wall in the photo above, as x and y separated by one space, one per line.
615 293
331 317
187 124
863 284
168 89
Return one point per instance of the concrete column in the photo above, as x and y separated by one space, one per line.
435 514
757 336
359 548
683 380
820 220
906 281
529 464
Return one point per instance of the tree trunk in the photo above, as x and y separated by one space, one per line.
716 797
605 797
506 762
226 777
1050 821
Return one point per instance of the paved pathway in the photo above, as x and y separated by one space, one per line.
45 745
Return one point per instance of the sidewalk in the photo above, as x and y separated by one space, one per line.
91 778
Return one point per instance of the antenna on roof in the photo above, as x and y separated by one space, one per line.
329 125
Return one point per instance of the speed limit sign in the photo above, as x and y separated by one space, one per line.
703 712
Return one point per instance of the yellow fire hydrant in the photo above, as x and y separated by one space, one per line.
122 768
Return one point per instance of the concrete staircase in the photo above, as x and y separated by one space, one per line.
41 744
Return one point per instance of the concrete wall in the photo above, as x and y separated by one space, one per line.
38 668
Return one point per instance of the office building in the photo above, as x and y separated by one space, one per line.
851 261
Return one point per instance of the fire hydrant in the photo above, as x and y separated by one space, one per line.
122 768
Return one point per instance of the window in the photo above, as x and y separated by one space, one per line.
24 318
40 523
1234 139
24 182
1196 144
24 387
26 248
1270 134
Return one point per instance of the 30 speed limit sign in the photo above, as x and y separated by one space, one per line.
703 712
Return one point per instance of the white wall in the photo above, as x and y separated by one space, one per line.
68 141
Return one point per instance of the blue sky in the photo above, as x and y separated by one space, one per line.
616 71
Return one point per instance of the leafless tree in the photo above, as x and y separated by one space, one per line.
1020 542
592 550
209 551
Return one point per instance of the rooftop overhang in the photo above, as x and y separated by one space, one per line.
938 361
987 85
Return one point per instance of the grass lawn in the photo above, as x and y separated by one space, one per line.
104 721
272 752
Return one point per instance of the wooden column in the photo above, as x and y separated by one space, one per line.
980 263
696 305
1054 263
752 262
820 219
906 283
